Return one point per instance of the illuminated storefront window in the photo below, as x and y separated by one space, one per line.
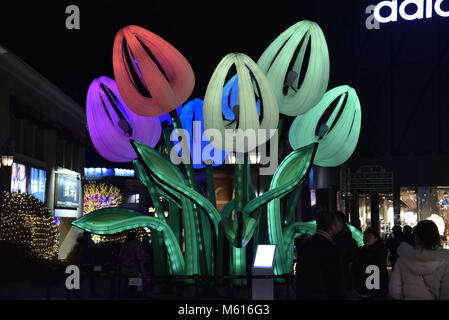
409 207
386 213
416 204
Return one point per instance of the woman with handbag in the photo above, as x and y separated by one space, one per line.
421 272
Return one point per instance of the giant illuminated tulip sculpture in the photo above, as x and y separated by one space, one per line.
201 150
252 85
111 124
338 136
246 131
153 79
283 64
152 76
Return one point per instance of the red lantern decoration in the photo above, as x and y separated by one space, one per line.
152 76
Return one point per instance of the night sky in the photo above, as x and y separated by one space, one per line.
400 72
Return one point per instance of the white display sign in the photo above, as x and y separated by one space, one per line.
390 11
264 256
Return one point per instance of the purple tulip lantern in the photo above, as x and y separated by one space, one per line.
112 124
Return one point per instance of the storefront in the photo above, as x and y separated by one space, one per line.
416 204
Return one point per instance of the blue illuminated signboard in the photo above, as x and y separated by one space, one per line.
36 186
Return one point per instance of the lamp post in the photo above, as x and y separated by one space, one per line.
7 157
7 160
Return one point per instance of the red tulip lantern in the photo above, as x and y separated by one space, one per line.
152 76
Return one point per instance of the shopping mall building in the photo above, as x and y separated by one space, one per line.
44 131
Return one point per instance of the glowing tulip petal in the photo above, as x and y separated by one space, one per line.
283 61
249 84
107 119
166 117
340 132
152 76
230 98
193 111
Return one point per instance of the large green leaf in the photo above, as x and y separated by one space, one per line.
289 176
115 220
170 179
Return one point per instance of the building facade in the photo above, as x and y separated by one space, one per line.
45 131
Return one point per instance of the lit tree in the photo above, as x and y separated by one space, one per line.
27 221
100 195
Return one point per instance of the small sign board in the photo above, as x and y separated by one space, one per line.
137 282
371 180
264 256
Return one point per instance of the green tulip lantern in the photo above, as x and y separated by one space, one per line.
338 136
252 86
283 64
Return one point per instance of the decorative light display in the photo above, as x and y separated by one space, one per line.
166 117
98 173
283 63
111 124
230 98
121 237
111 221
26 220
152 76
154 79
100 195
200 150
252 85
338 136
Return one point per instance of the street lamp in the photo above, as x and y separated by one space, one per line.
7 160
8 153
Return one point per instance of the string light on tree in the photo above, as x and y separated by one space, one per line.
27 221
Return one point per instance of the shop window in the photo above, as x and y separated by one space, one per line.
409 207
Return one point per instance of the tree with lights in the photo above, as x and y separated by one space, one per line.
27 221
100 195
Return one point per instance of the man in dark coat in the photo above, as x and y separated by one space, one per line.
347 248
373 253
318 270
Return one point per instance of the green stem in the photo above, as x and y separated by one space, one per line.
211 185
191 177
186 160
292 206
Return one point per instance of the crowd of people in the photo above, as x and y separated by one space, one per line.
330 266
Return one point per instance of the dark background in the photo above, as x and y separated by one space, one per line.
401 72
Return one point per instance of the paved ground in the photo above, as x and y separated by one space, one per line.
107 289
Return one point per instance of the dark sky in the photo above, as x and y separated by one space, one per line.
203 33
401 72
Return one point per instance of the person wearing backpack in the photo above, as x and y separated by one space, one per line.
421 273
